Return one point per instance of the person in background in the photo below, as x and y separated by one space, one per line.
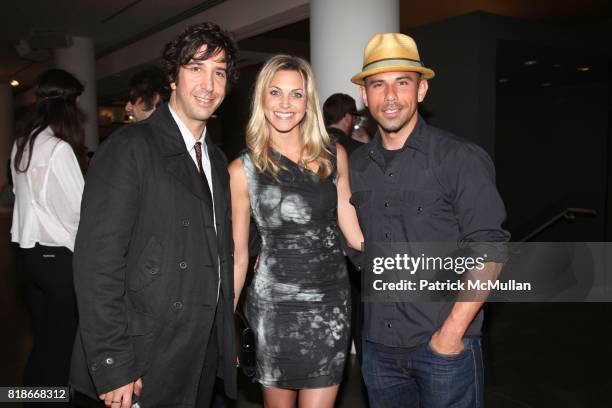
340 115
294 183
361 130
47 161
149 88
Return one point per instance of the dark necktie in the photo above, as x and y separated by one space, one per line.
198 151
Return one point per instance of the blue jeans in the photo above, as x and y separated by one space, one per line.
424 379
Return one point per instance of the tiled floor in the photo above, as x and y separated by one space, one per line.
537 355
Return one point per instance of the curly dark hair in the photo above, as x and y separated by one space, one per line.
183 48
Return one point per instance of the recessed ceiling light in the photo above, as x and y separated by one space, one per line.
531 62
583 69
546 84
503 80
556 65
14 83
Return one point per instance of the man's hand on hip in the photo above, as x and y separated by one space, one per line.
122 397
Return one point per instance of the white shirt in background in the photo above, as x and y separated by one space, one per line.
48 195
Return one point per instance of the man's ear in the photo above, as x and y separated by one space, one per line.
347 117
422 91
157 100
173 86
364 95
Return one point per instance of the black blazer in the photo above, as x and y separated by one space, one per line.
146 263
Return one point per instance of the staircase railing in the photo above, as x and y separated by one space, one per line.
568 214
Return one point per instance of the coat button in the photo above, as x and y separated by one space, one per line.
177 306
419 209
183 265
109 361
386 235
153 270
185 222
386 204
389 325
94 367
391 174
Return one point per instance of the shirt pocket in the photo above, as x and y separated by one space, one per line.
422 203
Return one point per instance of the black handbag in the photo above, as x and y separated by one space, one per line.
246 344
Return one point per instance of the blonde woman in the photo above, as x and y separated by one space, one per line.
295 184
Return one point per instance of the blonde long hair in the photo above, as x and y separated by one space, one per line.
315 140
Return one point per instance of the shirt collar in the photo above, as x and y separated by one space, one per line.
186 133
417 139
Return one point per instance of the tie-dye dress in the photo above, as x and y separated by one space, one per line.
298 303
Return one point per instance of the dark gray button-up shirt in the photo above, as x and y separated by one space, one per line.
438 188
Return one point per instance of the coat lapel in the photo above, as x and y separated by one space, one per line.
183 169
178 162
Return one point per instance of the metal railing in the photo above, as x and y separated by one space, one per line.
569 214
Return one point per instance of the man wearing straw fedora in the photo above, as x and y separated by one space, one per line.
416 183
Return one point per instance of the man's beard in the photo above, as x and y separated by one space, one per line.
393 128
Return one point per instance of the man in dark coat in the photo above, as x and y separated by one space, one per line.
153 259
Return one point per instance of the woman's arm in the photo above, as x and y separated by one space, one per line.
241 214
347 217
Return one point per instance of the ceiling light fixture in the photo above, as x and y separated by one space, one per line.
583 69
531 62
14 83
503 80
546 84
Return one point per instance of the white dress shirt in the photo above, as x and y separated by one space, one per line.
48 195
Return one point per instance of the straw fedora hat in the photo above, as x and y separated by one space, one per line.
391 52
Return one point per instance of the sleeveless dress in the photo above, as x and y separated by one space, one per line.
298 303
